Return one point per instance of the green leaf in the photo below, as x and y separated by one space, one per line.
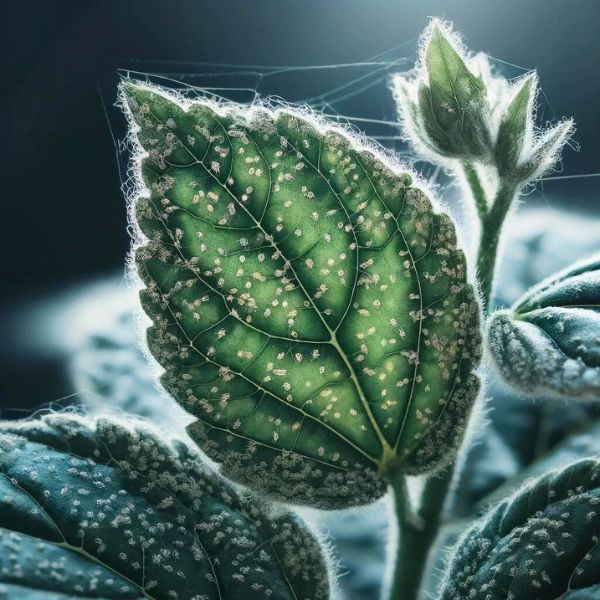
542 543
108 509
549 342
515 125
308 305
453 105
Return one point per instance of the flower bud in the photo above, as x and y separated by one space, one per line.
516 126
445 109
455 108
521 155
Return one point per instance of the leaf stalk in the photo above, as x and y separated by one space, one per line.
415 536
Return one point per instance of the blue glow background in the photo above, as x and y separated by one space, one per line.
64 214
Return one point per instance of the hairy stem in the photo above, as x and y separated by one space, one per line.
415 536
477 190
491 227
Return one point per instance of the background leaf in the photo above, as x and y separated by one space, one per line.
540 544
308 305
489 461
101 508
110 373
549 343
517 434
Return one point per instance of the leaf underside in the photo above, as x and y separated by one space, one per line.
540 544
308 306
549 342
101 509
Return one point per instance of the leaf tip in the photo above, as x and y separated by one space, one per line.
440 37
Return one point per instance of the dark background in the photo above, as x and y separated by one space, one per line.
63 212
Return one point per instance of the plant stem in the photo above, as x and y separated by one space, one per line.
415 536
491 227
476 189
417 532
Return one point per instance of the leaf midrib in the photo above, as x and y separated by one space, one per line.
271 394
332 332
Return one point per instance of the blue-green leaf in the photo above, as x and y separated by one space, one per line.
107 509
542 543
549 342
